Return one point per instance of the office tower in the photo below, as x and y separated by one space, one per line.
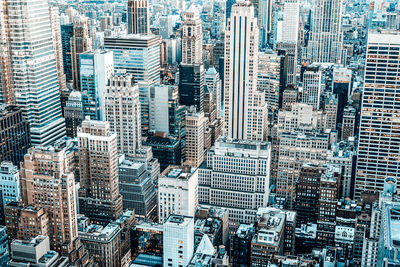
341 87
9 186
214 84
80 42
122 111
265 20
138 17
191 85
245 108
290 26
35 252
326 37
268 78
137 189
192 37
178 240
229 163
312 87
165 26
96 67
73 113
138 55
7 93
67 32
4 252
343 155
15 136
288 52
330 111
36 87
160 97
378 147
56 33
168 150
195 130
295 149
177 192
327 206
48 183
99 197
307 193
348 122
290 96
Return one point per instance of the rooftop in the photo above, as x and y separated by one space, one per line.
175 220
178 172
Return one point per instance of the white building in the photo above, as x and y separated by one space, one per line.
245 110
178 241
290 25
192 36
379 145
177 192
122 111
268 78
301 116
195 129
9 183
158 106
213 83
312 87
236 177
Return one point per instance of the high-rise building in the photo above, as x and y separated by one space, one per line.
312 87
288 52
10 189
348 122
14 131
229 163
265 20
192 37
96 67
4 252
73 113
178 240
47 182
58 51
80 42
99 197
379 146
177 192
36 84
191 85
67 32
122 111
214 85
7 93
195 130
138 17
245 107
341 87
326 37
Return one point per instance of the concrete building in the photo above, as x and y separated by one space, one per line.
99 197
195 133
122 111
73 113
15 134
177 192
9 186
214 85
191 85
348 122
138 17
56 33
235 176
192 37
312 87
245 109
178 240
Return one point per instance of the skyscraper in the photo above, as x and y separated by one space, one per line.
67 32
96 68
122 111
379 141
138 17
34 72
245 107
192 37
326 37
195 128
191 85
6 89
99 197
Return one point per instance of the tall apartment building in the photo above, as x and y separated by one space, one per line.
80 42
379 144
122 111
177 192
138 17
73 113
195 131
14 134
178 240
312 87
48 183
245 110
36 87
56 33
192 37
326 36
268 78
99 197
96 67
235 176
295 149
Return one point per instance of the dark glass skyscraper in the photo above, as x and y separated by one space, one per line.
191 85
